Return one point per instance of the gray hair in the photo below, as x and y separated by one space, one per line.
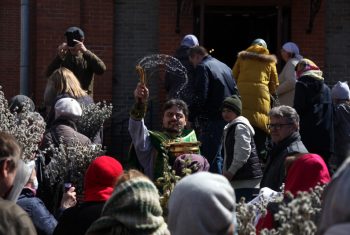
285 111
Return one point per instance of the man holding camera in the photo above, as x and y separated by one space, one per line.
73 55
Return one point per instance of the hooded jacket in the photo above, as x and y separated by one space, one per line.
256 77
313 103
99 183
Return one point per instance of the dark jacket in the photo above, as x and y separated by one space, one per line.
43 220
76 220
50 189
174 82
84 66
83 101
86 100
213 83
275 171
65 128
313 103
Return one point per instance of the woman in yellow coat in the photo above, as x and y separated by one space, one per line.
256 77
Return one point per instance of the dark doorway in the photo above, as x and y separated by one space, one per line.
229 30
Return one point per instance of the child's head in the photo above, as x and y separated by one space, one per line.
341 92
231 108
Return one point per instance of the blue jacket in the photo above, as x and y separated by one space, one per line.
43 220
213 83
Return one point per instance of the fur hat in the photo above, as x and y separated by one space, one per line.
100 178
68 107
341 91
133 207
233 103
189 41
260 42
203 203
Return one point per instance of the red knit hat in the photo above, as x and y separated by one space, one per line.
100 178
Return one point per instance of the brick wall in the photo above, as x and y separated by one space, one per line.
9 46
135 36
337 40
52 18
312 45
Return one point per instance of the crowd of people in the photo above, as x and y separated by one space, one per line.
239 130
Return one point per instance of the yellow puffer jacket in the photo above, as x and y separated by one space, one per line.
256 77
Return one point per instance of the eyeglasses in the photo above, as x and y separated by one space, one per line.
278 126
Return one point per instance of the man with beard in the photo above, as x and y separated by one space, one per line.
148 147
13 219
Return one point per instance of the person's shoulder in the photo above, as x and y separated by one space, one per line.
14 215
11 210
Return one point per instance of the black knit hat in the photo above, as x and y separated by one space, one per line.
233 103
77 32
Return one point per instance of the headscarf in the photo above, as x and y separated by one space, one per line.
24 170
189 41
292 48
259 42
203 203
305 173
195 162
133 208
306 67
338 229
100 178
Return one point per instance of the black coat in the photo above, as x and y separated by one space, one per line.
76 220
313 103
213 83
275 172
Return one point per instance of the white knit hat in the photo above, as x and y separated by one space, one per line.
67 107
203 203
189 41
341 91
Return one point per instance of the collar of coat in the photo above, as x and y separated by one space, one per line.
259 53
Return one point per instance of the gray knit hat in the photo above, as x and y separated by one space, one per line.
233 103
335 197
203 203
133 208
341 91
